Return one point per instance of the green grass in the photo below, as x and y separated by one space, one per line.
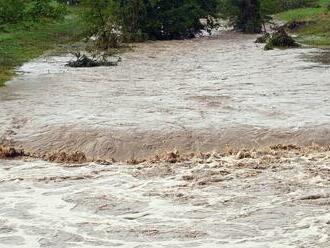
22 42
317 32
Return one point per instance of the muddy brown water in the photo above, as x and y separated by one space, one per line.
194 95
199 95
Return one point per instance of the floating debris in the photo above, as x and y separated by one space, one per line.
65 157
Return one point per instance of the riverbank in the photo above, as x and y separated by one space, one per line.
312 24
22 42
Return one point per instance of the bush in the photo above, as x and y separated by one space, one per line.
110 36
281 39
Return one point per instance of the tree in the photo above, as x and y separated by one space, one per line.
245 14
250 17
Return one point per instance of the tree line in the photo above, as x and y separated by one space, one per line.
139 20
175 19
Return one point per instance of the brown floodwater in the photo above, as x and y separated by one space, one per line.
191 95
213 94
272 199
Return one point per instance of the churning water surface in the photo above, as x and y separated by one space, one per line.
193 95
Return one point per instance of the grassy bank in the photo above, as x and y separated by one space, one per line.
24 41
316 31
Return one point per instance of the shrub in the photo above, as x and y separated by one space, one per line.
110 36
281 39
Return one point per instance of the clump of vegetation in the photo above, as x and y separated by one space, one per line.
109 36
83 60
280 39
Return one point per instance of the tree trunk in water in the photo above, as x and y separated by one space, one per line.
250 17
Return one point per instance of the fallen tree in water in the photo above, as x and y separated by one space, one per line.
83 60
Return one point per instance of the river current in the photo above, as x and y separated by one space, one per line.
222 98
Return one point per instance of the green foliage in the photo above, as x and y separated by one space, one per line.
15 11
280 39
38 9
11 11
245 15
153 19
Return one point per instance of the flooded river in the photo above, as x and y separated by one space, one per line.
196 95
211 97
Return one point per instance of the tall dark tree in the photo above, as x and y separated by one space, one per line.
249 19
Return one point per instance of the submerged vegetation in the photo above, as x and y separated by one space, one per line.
280 39
83 60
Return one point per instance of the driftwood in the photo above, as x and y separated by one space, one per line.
82 60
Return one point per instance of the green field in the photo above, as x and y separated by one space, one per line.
317 31
22 42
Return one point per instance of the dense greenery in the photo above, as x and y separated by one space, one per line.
151 19
15 11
